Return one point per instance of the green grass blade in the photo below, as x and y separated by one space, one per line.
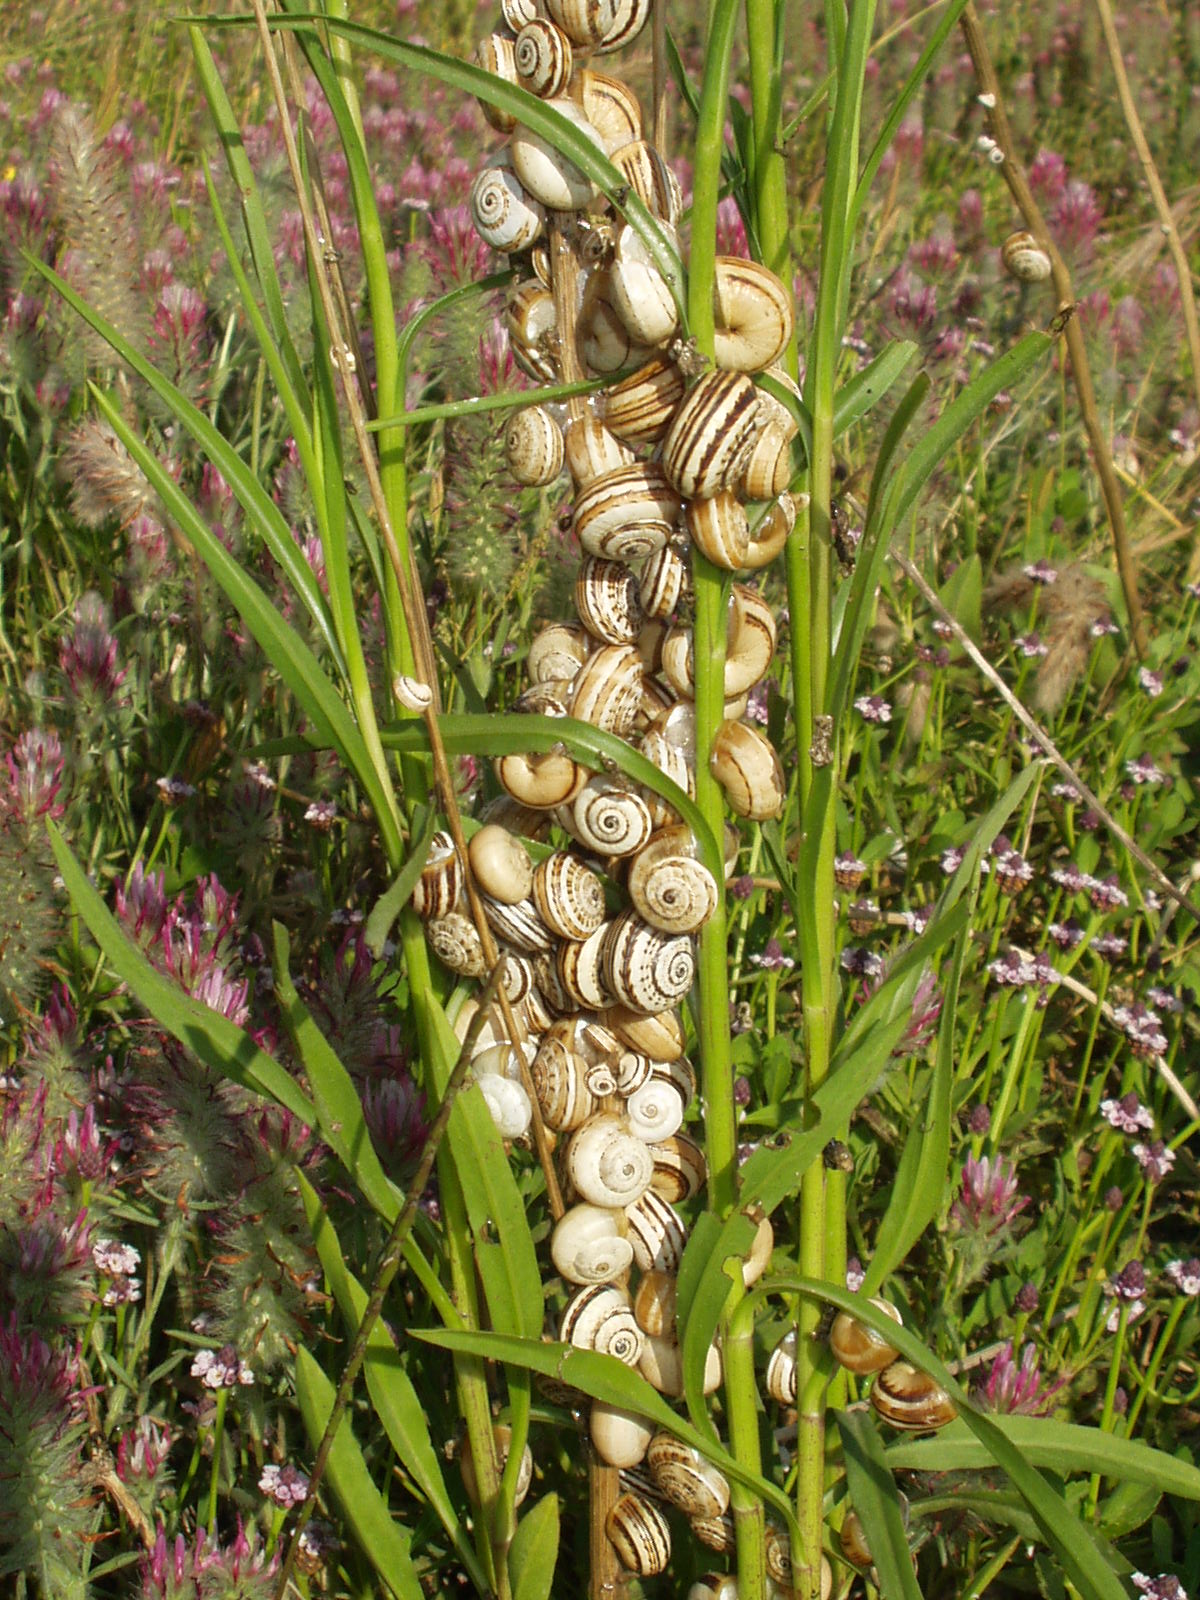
478 405
707 156
873 1494
387 908
863 392
219 1043
534 1552
380 1538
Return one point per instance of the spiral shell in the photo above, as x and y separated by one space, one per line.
559 1078
438 889
770 533
502 1435
689 1482
620 1437
568 895
543 58
600 1318
852 1539
715 1533
548 176
679 1168
654 1304
911 1400
655 1109
496 54
638 409
508 1103
626 514
768 468
533 446
781 1371
592 451
610 106
608 1165
518 12
753 312
588 1245
659 1036
651 179
455 942
629 17
720 529
672 762
662 1367
517 979
517 924
605 342
640 294
580 967
585 22
744 763
647 970
557 652
711 434
752 640
1025 258
663 583
541 781
640 1535
505 216
758 1257
501 867
670 887
532 324
656 1232
778 1554
859 1348
610 820
606 597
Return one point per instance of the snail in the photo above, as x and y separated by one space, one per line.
859 1348
910 1399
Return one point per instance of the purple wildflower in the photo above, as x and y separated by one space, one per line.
1142 770
287 1486
1165 1000
1106 894
1110 945
855 1275
848 870
1026 1299
1103 627
952 858
142 1450
873 708
772 958
221 1369
1040 572
1012 871
35 766
1070 877
1150 681
979 1120
1142 1028
1128 1114
320 815
1032 646
1165 1587
1017 1389
116 1259
173 790
987 1201
1155 1159
1127 1290
1066 935
861 962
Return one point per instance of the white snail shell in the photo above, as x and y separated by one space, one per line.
585 22
720 529
588 1244
1025 258
778 1554
412 694
533 447
508 1103
600 1318
713 1585
505 216
717 1534
518 12
532 323
711 434
543 58
752 642
620 1437
557 652
647 970
629 17
654 1303
605 342
607 689
669 885
541 781
626 514
859 1348
610 820
639 408
559 1077
758 1258
754 315
651 179
658 1035
569 896
686 1478
501 867
639 292
610 106
768 469
744 763
456 943
548 176
438 889
606 597
496 54
517 924
580 968
662 1367
607 1164
592 451
640 1535
656 1232
656 1108
781 1370
770 533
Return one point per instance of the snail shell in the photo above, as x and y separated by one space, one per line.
716 1533
629 17
852 1538
758 1258
605 342
549 699
508 1103
600 1318
588 1245
557 652
640 1534
554 996
620 1437
440 885
533 447
711 434
585 22
687 1480
719 529
669 886
569 896
656 1231
673 763
505 216
655 1109
548 176
580 967
518 924
608 1165
497 54
752 645
502 1434
859 1348
639 408
778 1554
606 598
910 1400
651 179
1025 258
501 867
517 980
518 12
713 1585
592 451
770 532
679 1168
543 58
633 1070
607 689
640 294
659 1036
610 106
663 582
559 1078
626 514
647 970
455 942
753 313
768 469
744 763
781 1370
654 1304
662 1367
533 330
610 820
541 781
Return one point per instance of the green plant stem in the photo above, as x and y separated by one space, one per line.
764 31
210 1520
1110 1395
1146 1384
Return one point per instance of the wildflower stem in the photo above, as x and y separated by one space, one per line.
1110 1395
215 1476
1145 1385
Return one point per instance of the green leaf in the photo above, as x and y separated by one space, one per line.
873 1494
381 1539
387 908
395 1400
534 1551
219 1043
863 392
962 596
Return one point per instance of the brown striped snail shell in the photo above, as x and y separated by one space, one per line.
610 106
585 22
781 1370
680 1168
715 1533
661 1365
770 533
647 970
852 1539
600 1318
569 896
548 176
654 1303
550 985
518 12
778 1554
609 820
545 699
607 689
744 763
517 978
629 18
651 179
753 312
669 885
518 924
542 781
589 1245
711 434
663 582
672 763
504 214
580 967
658 1035
559 1077
633 1070
620 1437
532 324
497 54
688 1481
640 1534
626 514
543 58
720 529
859 1348
533 446
638 409
656 1231
752 641
502 1434
768 468
438 889
500 865
656 1108
606 598
1025 258
608 1165
632 1480
592 451
605 341
910 1399
456 943
639 293
557 652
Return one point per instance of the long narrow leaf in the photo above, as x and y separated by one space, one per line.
863 392
873 1494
